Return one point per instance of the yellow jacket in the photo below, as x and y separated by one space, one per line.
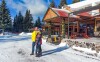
34 34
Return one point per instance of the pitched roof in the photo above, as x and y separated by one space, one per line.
55 12
61 12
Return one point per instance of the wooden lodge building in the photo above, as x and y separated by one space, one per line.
64 23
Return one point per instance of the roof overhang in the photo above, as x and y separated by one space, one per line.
86 9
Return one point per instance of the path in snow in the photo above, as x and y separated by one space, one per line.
19 51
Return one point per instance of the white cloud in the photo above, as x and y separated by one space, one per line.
37 7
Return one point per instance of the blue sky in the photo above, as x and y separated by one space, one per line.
37 7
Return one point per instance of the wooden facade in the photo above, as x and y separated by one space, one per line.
50 15
83 24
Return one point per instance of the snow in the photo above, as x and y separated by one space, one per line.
63 44
23 34
44 40
29 33
1 34
62 10
18 49
84 3
87 50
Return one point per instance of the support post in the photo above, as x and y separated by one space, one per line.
49 33
49 29
95 27
73 28
78 26
68 25
63 28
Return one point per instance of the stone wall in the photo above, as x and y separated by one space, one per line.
93 45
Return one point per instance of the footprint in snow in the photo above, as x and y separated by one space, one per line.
21 52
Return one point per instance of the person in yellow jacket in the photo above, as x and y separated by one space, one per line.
33 37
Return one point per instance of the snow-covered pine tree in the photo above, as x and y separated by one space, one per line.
27 23
0 17
62 3
18 23
38 23
52 4
6 22
15 27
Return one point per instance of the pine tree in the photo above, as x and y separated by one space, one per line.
38 23
18 23
15 24
52 4
62 3
6 22
30 21
27 23
75 1
0 17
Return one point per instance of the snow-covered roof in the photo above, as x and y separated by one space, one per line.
84 4
63 12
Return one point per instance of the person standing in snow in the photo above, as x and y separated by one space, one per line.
38 44
33 37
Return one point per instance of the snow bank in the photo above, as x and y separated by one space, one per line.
44 40
5 36
63 44
87 50
1 34
23 33
28 33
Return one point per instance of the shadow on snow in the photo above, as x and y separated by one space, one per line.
13 39
59 49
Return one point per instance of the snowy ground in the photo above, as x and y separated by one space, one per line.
18 49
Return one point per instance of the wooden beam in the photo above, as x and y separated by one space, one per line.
77 26
95 26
